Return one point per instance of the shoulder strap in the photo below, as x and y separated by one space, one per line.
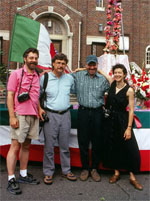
37 71
20 81
45 80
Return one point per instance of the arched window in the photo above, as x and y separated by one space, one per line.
147 57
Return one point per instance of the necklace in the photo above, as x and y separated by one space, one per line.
121 86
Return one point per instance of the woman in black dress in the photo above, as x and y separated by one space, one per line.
121 149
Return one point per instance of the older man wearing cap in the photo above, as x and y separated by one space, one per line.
90 89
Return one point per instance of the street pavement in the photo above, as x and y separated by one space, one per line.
64 190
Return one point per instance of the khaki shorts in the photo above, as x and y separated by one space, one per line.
28 128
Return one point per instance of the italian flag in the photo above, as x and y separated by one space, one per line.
28 33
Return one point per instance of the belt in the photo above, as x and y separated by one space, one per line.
58 112
89 108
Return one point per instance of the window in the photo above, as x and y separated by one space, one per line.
57 45
100 3
147 57
1 49
97 49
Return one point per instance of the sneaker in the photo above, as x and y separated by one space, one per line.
28 179
84 175
13 187
95 176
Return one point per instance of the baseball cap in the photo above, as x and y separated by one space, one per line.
91 58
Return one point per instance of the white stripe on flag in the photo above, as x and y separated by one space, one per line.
44 47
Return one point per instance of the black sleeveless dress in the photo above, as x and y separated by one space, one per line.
119 153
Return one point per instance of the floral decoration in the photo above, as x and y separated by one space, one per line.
113 27
140 80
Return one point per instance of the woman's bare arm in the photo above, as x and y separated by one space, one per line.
108 77
130 95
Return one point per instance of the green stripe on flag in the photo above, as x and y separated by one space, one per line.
25 35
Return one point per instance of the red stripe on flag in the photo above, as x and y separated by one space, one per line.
44 68
52 50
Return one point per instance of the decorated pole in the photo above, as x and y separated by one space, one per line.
122 33
113 27
113 31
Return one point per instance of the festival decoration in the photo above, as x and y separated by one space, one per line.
140 81
113 28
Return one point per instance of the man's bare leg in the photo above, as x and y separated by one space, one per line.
24 154
12 156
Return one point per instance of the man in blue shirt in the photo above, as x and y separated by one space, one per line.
90 88
58 128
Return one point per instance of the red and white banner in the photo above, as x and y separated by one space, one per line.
36 150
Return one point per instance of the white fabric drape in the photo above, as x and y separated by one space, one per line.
106 61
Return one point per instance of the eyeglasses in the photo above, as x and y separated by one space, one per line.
62 63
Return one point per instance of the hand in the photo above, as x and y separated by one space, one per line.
14 122
41 112
127 134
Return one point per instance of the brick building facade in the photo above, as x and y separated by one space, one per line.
76 27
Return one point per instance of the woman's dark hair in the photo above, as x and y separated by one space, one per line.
60 56
33 50
121 66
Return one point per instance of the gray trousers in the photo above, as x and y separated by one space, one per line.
57 129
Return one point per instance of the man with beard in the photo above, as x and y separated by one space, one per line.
22 100
58 128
